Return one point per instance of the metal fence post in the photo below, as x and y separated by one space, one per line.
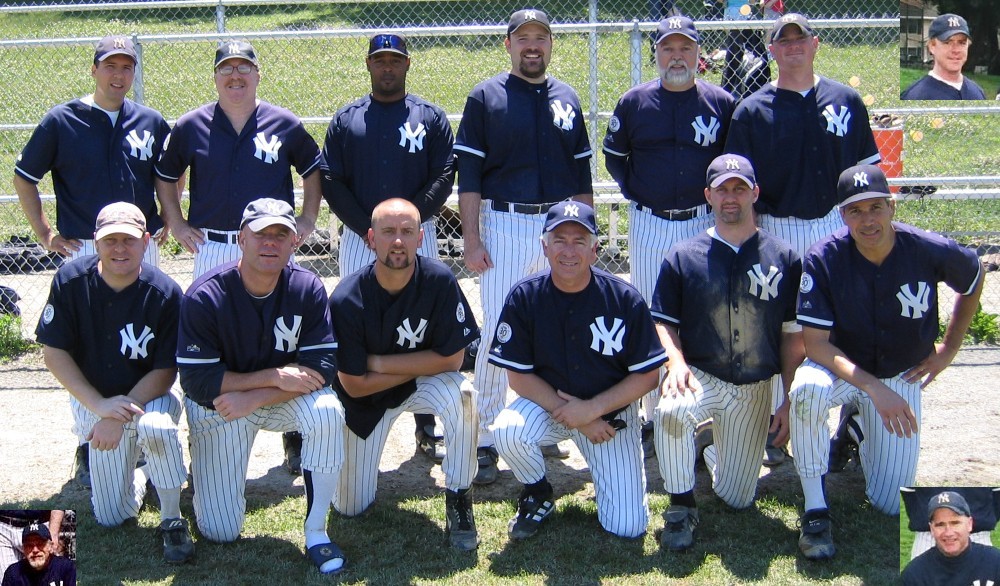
138 87
220 17
592 58
635 52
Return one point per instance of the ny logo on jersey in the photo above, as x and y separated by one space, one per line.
267 150
673 22
414 137
861 179
286 339
764 286
981 583
953 22
837 119
136 345
562 116
607 341
408 335
914 305
142 148
705 133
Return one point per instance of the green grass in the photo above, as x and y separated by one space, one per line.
12 342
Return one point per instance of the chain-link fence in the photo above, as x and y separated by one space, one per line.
312 62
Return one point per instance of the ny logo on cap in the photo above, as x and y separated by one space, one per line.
530 15
732 164
34 527
953 21
861 179
674 23
572 211
120 42
944 498
234 48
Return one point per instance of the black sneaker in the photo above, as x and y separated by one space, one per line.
177 545
842 446
815 535
532 509
292 442
678 528
81 466
488 458
459 519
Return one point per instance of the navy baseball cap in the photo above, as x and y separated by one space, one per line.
526 15
115 45
264 212
571 211
862 182
677 25
948 499
792 18
235 50
120 218
728 166
946 26
387 43
36 528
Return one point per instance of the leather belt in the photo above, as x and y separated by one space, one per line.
222 237
520 208
672 215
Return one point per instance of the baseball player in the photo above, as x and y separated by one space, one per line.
388 144
800 131
109 332
522 146
255 350
238 149
955 558
580 349
725 310
100 148
869 314
40 564
948 44
12 524
984 505
403 325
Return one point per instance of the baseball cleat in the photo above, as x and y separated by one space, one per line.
488 458
177 545
81 466
459 520
431 445
554 451
292 442
815 535
532 509
678 531
843 447
327 557
774 456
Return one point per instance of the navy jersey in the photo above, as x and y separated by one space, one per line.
984 504
228 171
41 515
930 88
729 305
380 151
224 328
94 163
580 343
61 571
523 142
659 143
430 313
115 338
884 318
800 145
979 565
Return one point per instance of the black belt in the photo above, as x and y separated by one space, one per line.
222 237
672 215
520 208
17 521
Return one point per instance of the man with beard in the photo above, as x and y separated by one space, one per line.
522 147
658 146
949 45
40 567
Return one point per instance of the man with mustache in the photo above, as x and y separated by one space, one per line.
949 45
659 143
40 565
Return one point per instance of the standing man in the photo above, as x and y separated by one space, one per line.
949 46
40 564
12 524
725 311
955 558
100 148
109 335
869 311
581 349
388 144
522 147
238 149
404 324
256 351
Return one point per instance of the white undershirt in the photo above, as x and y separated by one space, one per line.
89 100
957 85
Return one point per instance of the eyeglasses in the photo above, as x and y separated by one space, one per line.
243 68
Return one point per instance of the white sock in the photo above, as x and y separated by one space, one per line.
812 489
170 503
321 486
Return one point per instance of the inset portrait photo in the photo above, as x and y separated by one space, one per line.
37 546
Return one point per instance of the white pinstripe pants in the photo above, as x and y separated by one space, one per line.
355 254
152 255
888 461
117 488
449 396
740 420
220 452
512 241
212 254
616 465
